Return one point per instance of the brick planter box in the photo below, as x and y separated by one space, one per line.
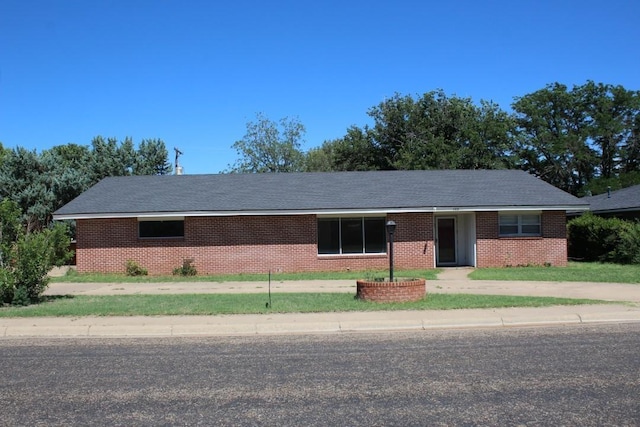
384 291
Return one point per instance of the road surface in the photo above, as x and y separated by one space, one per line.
569 375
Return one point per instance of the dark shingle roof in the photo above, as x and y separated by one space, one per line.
317 192
626 199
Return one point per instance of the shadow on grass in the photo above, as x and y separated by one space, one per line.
53 298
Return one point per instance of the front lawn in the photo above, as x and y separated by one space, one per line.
574 272
74 277
218 304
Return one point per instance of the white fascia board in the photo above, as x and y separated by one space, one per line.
326 212
154 215
453 209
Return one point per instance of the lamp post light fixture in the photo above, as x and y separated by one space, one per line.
391 228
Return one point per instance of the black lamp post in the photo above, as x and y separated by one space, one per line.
391 228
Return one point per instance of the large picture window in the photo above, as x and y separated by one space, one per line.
520 225
160 229
362 235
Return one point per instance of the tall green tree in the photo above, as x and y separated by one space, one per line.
152 158
553 137
436 131
2 152
268 146
356 151
27 180
108 159
42 183
579 139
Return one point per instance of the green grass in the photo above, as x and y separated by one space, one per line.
574 272
218 304
74 277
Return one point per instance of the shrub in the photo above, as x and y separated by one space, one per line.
7 286
187 269
593 238
32 263
133 269
26 258
628 250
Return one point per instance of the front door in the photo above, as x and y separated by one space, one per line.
446 241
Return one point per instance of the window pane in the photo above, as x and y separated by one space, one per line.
328 236
508 220
531 229
149 229
375 235
508 229
352 236
530 219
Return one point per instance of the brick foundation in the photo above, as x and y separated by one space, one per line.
400 291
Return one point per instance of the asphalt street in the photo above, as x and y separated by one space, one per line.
584 375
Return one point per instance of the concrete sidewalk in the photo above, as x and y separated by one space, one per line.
159 326
450 281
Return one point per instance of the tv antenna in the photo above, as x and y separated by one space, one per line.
178 167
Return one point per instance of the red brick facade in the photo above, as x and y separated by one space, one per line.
495 251
257 244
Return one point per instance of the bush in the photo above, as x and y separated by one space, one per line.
32 263
26 258
593 238
133 269
7 286
187 269
628 250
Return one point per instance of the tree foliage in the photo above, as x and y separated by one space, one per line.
436 131
573 138
42 183
433 131
356 151
582 140
268 146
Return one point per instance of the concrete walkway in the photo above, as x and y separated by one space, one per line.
450 281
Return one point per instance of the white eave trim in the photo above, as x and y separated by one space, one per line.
375 211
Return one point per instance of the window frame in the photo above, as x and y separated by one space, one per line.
519 224
364 243
168 231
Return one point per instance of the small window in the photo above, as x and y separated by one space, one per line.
361 235
520 225
160 229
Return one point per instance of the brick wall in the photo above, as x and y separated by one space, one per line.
257 244
495 251
243 244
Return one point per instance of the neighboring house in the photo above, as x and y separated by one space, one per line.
247 223
624 203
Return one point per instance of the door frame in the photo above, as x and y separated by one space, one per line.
455 241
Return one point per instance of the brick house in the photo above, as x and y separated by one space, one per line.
246 223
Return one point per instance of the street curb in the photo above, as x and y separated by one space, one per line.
313 323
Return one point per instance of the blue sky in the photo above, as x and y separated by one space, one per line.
193 73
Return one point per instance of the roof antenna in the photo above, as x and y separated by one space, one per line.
178 167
